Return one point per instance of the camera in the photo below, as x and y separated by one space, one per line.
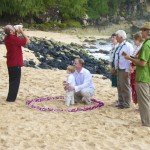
17 27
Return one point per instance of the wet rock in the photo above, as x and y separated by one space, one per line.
44 65
90 41
1 37
93 47
102 42
32 63
29 63
53 54
26 63
101 51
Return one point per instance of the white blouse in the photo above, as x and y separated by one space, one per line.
112 52
136 50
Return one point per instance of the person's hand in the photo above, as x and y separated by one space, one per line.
68 87
126 56
20 29
113 71
71 88
65 84
126 75
132 69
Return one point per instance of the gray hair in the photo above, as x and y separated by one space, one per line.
8 28
121 33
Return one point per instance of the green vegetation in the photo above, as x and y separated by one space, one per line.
47 14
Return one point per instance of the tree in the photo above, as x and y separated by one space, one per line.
96 8
21 8
72 9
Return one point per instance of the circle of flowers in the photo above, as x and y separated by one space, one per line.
30 104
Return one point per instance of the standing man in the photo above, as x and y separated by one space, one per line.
123 68
143 75
14 59
84 87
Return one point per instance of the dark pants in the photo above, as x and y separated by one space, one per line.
114 80
14 82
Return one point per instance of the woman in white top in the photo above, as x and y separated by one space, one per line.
112 54
138 41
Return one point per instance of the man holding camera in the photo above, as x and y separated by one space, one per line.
14 56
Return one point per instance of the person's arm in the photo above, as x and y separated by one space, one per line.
23 34
137 62
127 50
144 56
21 41
71 80
86 83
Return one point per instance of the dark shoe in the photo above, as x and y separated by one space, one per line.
146 125
118 105
10 100
126 107
121 107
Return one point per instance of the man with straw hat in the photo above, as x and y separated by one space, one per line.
143 75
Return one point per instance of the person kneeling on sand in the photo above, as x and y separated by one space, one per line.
84 87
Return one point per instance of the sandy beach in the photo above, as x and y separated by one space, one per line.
106 128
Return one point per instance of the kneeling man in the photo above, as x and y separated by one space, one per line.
84 87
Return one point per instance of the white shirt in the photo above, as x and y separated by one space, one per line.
120 61
83 79
112 52
71 79
136 50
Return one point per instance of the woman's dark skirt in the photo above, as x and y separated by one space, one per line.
114 80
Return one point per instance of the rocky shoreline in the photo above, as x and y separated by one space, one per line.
52 54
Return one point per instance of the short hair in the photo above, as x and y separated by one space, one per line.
71 68
8 28
80 60
7 31
114 34
138 37
121 33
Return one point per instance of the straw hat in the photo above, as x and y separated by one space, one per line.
146 26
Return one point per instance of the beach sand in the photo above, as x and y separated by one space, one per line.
107 128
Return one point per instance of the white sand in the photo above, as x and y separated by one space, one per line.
107 128
62 37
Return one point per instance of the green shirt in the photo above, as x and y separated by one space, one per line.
143 72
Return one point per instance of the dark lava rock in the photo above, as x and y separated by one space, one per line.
101 51
53 54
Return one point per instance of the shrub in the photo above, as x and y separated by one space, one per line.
73 23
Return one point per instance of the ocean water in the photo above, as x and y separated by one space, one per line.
99 49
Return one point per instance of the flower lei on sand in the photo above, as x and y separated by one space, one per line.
30 103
